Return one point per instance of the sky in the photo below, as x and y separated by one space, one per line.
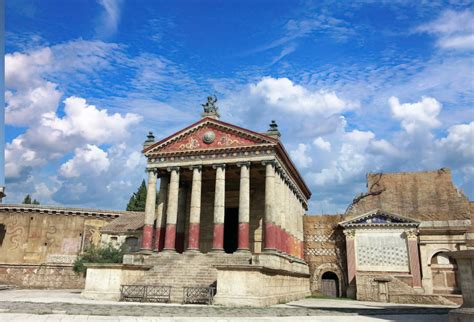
356 87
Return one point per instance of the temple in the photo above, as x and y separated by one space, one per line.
229 204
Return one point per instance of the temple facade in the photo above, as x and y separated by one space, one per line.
223 188
224 204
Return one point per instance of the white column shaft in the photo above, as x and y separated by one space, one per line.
195 214
150 198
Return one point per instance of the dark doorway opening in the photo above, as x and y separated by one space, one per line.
231 229
330 284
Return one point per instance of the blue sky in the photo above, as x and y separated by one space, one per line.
355 87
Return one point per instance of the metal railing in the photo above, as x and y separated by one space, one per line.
145 293
198 295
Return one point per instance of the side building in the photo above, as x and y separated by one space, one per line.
38 244
396 236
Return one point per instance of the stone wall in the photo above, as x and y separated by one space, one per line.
54 276
429 195
325 249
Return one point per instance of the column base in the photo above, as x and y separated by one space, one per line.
243 250
270 250
168 250
217 250
192 250
146 251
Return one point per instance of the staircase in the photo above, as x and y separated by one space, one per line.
187 269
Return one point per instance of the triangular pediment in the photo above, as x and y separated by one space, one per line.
208 134
379 217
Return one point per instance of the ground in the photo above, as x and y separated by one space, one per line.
66 305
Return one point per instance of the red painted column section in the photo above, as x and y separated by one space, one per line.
218 238
193 236
414 258
278 237
243 236
270 242
170 238
301 249
351 258
147 237
160 238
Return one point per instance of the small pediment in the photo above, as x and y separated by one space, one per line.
208 134
379 217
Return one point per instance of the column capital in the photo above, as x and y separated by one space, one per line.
350 233
170 169
154 170
411 234
271 162
197 166
243 164
220 165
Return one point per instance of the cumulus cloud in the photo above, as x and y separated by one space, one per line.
90 160
322 144
90 123
283 94
300 156
455 29
419 115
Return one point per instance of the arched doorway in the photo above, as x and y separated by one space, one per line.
444 274
330 284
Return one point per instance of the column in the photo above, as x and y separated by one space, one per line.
351 262
195 212
219 209
413 256
172 210
277 209
147 237
269 241
161 213
244 207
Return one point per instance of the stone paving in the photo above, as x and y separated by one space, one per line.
41 305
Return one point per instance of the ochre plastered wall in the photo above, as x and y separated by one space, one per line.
31 237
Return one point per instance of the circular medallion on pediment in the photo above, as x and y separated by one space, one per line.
209 137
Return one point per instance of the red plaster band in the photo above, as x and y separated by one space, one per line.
170 238
269 236
243 236
218 241
193 238
147 239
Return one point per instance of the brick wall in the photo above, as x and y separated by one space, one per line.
325 249
429 195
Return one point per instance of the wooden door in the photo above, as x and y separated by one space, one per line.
329 287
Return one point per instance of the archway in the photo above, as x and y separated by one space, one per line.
444 274
330 284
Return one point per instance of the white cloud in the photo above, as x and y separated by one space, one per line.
300 156
459 143
90 123
322 144
283 94
414 116
110 17
90 160
455 29
25 107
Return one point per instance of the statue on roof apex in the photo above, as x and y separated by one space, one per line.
210 108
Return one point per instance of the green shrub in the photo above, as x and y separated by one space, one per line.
94 254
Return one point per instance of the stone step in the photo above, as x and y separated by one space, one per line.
186 270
